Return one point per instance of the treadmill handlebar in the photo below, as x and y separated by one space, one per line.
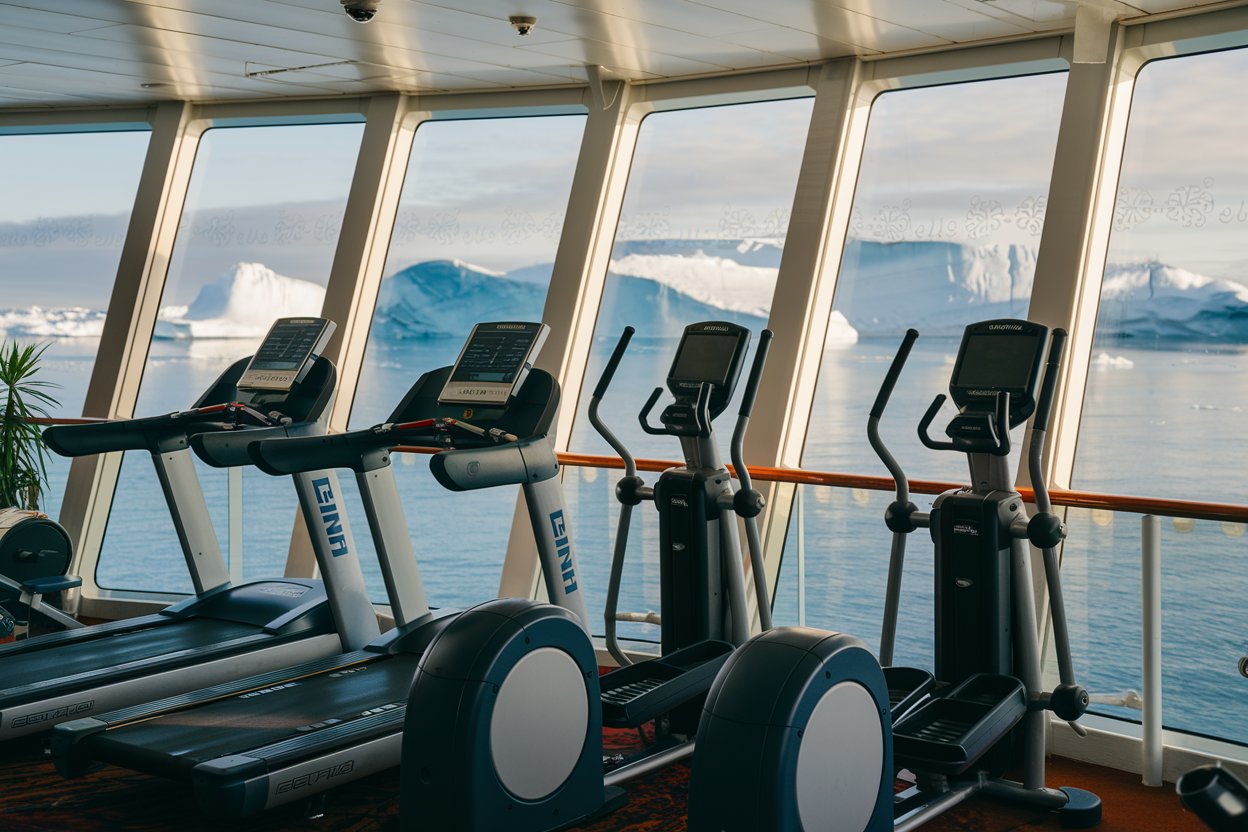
146 433
359 450
229 449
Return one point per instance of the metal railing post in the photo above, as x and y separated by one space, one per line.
1150 615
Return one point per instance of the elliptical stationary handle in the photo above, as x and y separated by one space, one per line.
926 422
644 415
747 502
1001 424
613 362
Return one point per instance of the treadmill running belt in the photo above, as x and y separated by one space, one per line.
100 655
178 741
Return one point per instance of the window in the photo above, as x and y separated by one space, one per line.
255 242
943 232
67 202
1163 412
474 240
700 237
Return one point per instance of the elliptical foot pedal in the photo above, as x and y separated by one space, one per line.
1082 809
907 687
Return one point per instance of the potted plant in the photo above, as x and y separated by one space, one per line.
23 397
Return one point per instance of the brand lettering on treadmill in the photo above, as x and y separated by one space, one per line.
511 326
981 392
319 776
1015 327
714 329
680 501
966 528
253 694
54 714
330 517
563 549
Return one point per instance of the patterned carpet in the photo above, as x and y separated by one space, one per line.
33 798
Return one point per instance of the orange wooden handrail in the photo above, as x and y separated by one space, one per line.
1223 512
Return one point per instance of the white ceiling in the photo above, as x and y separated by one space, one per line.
76 52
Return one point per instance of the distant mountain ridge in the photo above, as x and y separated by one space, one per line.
661 285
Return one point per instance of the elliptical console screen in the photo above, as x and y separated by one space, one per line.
710 352
705 357
493 363
1000 362
999 356
287 353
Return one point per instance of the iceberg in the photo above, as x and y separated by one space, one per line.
242 303
37 322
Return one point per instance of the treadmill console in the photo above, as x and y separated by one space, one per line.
493 363
1001 356
287 353
710 353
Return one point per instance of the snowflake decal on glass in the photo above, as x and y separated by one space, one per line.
983 217
1029 215
1134 206
517 226
736 222
1190 205
652 225
892 222
443 227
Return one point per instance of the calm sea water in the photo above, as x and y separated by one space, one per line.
1159 427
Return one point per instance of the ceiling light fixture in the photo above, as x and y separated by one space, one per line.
522 24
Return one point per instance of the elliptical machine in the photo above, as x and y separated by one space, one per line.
523 749
804 730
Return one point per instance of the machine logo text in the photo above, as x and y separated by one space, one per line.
563 548
318 776
54 714
330 517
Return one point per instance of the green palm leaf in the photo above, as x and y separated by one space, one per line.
23 396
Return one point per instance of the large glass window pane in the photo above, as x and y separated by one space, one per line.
67 202
474 240
943 232
700 237
1163 413
255 242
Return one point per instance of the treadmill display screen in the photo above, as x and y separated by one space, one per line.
287 349
705 357
493 363
998 362
497 356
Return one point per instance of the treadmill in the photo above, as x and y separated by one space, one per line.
224 631
261 742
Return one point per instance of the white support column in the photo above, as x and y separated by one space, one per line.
135 300
1077 222
355 276
802 302
576 285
